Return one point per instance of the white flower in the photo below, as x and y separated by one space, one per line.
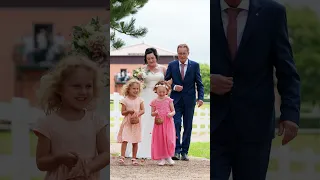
144 75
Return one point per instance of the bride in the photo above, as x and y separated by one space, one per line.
154 72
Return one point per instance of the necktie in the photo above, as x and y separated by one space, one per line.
232 30
182 71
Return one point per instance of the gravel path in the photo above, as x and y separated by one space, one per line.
195 169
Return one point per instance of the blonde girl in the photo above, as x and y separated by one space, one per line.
132 109
72 141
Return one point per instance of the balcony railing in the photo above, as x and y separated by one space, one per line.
26 56
118 79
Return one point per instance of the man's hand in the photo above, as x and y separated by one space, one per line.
290 130
178 88
200 103
220 84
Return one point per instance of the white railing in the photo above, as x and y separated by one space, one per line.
201 118
20 165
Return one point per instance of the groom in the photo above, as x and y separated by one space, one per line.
249 39
186 78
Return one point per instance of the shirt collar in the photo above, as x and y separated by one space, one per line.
243 5
186 63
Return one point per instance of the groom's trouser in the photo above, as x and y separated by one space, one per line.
246 160
186 111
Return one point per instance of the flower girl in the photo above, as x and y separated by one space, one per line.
163 136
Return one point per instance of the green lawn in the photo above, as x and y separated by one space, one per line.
200 149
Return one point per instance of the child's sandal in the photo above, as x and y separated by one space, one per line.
134 162
121 160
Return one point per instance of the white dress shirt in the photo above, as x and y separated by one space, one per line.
241 19
185 66
185 69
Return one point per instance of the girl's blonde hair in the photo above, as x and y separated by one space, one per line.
126 87
51 83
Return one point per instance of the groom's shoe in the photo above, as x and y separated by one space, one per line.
184 157
176 156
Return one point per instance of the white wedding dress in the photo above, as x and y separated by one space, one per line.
147 121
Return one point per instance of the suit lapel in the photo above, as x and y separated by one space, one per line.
178 69
218 24
253 16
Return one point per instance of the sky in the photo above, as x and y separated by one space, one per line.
172 22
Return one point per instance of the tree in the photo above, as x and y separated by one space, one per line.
120 9
304 31
205 75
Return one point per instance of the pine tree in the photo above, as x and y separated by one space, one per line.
120 9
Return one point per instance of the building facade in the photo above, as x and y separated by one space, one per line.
125 60
19 77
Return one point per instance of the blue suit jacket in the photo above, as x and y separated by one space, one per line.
191 79
249 107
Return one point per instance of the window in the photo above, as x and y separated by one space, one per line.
42 35
122 76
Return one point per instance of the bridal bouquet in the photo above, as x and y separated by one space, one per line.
140 74
92 40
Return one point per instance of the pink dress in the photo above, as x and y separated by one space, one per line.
72 136
164 135
128 132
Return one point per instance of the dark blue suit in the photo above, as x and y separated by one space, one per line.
243 120
184 101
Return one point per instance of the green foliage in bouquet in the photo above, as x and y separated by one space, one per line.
92 40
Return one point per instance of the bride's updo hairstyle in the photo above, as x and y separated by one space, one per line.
162 84
149 51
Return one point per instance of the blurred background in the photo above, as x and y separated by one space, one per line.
32 40
300 159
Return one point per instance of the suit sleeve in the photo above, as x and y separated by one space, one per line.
288 78
169 75
199 83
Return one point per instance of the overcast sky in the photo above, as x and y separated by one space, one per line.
172 22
